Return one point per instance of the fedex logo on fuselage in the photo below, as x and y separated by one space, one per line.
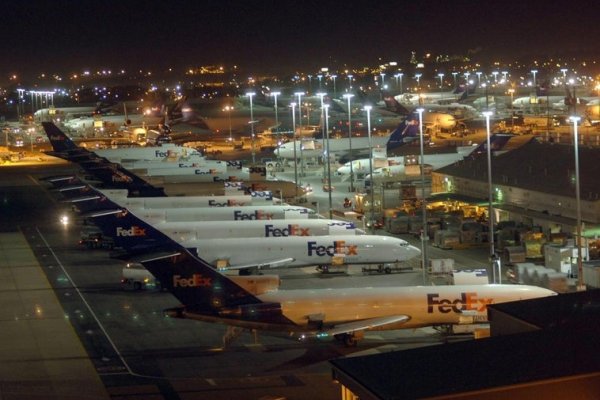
196 280
291 230
162 154
338 247
256 215
466 302
133 231
192 165
228 203
205 171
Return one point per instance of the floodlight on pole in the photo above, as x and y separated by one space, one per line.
228 108
293 105
495 74
580 284
534 72
349 96
350 76
328 161
372 184
334 90
493 257
275 94
321 95
300 94
423 202
250 95
400 75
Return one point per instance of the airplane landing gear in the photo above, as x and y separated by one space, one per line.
349 339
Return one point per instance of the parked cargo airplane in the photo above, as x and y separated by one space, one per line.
134 235
102 169
395 165
344 313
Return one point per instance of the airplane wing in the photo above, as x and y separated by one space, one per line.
268 264
364 324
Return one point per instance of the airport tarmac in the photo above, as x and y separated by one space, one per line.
136 351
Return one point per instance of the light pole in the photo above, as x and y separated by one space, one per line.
418 78
467 78
372 188
326 106
309 83
349 96
320 76
487 115
250 95
495 74
441 76
400 75
534 71
321 95
504 75
350 76
334 90
382 79
486 95
423 203
300 94
564 72
478 73
293 105
228 108
580 284
275 94
512 116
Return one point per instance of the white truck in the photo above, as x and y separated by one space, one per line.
136 277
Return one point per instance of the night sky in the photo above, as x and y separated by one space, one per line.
276 36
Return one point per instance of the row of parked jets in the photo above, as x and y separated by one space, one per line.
192 245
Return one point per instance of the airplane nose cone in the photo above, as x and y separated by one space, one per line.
413 252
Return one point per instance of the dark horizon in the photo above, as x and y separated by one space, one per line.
282 36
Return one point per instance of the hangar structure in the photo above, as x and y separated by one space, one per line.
533 184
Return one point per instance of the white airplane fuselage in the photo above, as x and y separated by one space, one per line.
237 213
186 231
158 153
314 148
424 305
302 251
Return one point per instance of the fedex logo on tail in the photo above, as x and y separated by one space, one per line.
256 215
120 177
196 280
466 302
338 247
291 230
133 231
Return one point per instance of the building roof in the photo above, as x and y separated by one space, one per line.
543 167
565 347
